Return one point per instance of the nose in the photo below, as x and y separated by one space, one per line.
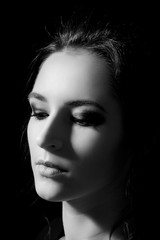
50 135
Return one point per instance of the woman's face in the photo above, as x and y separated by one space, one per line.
75 129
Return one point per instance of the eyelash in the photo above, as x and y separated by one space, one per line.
86 119
39 115
89 119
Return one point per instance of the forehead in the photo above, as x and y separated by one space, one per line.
76 73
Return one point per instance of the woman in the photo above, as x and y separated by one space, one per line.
83 128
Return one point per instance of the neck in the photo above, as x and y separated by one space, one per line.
96 216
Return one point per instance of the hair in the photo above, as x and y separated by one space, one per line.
124 51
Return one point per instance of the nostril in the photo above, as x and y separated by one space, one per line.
53 143
57 144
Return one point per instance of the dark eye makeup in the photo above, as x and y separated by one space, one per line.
88 118
38 113
85 118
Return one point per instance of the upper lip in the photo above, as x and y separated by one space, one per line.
50 164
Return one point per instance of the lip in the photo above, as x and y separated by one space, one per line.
49 169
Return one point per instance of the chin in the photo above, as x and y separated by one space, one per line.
49 190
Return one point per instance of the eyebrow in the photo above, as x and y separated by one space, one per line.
74 103
80 103
37 96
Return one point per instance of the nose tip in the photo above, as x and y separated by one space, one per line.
50 135
54 144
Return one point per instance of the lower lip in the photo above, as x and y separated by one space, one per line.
49 172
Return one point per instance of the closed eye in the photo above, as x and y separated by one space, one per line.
88 119
39 115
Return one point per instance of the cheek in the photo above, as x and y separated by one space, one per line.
98 154
31 133
90 143
84 141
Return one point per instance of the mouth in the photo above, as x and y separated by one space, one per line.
49 169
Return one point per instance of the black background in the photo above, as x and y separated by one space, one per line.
22 28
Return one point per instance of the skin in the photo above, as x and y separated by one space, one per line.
92 187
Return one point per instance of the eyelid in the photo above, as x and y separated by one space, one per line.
85 117
35 107
89 118
32 104
87 112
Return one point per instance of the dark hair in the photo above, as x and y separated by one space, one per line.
125 52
